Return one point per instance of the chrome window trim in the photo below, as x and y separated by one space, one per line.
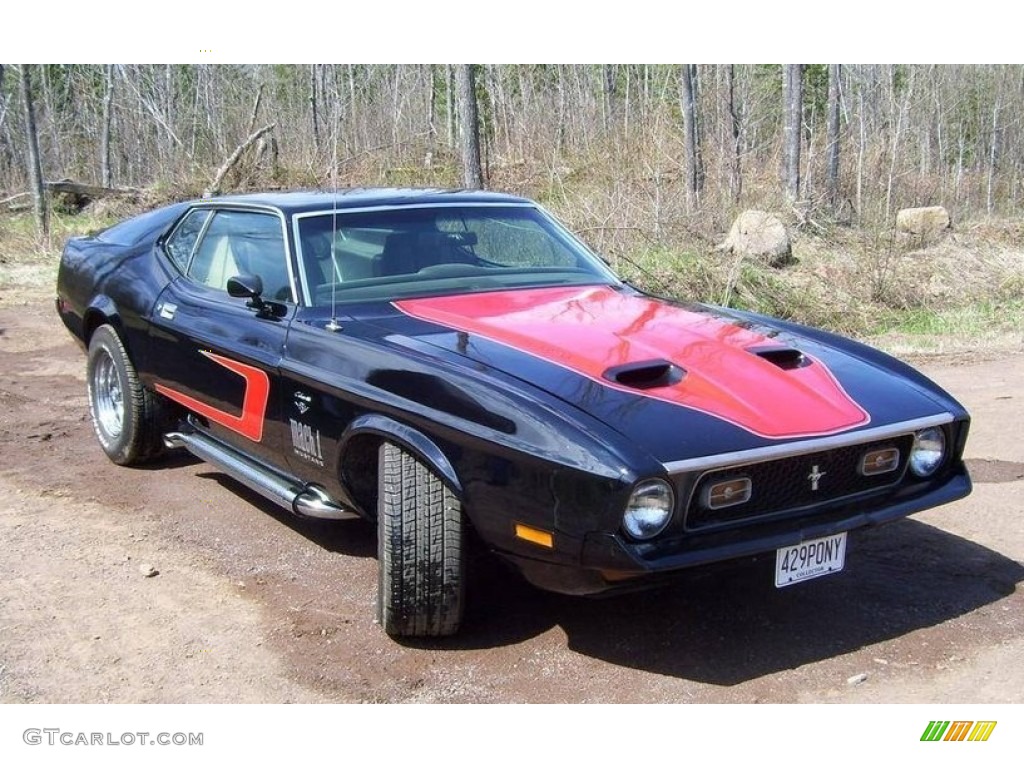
787 450
217 207
163 240
296 217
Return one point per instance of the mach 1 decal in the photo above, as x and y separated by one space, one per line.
727 370
254 403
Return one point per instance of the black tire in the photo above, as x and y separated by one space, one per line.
421 548
128 418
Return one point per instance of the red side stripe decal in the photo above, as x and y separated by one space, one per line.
254 403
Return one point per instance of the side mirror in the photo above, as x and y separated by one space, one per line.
248 287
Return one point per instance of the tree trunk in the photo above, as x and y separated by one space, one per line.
6 154
993 155
312 107
832 174
351 111
108 99
449 121
735 169
472 176
608 94
793 98
691 134
560 129
431 107
35 172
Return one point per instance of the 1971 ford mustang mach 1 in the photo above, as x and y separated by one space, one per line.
441 363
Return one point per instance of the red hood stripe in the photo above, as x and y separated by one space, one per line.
589 330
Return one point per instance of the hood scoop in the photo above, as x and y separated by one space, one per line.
785 358
645 374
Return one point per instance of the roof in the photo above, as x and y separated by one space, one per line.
309 200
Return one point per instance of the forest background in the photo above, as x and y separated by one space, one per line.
649 163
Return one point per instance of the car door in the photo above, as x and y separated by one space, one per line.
217 355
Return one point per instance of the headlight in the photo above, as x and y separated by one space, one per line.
649 509
928 452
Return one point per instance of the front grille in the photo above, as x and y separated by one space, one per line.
791 484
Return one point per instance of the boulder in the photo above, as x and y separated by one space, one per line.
760 235
929 222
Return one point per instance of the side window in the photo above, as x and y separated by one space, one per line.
180 244
243 242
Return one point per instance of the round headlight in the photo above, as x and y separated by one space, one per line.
928 451
649 509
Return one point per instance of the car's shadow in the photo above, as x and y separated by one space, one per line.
720 626
173 459
354 538
728 626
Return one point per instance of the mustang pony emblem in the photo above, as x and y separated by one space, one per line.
815 477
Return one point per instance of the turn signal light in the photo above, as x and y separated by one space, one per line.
728 493
880 461
535 535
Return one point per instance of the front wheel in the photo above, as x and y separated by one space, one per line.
421 547
127 417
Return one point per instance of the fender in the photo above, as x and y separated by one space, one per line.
101 310
407 437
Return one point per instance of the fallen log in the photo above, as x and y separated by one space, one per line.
214 188
70 196
19 202
92 191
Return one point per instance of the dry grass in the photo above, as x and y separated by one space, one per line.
966 289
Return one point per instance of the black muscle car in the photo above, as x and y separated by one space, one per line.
441 363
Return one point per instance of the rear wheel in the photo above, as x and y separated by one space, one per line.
127 417
421 547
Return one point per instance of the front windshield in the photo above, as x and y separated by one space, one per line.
431 250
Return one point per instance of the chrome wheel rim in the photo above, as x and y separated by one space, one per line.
108 397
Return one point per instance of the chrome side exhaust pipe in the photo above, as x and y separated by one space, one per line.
303 501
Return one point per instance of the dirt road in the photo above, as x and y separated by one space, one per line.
250 605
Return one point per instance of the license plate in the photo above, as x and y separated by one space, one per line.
810 559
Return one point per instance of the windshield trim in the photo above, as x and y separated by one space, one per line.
602 272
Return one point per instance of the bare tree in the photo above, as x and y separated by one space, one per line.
35 172
314 117
793 100
735 169
832 140
691 133
993 157
5 150
432 109
944 132
106 176
472 175
608 94
449 119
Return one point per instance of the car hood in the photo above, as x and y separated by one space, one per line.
679 380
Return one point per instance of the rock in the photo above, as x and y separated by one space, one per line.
927 223
148 570
760 235
857 679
